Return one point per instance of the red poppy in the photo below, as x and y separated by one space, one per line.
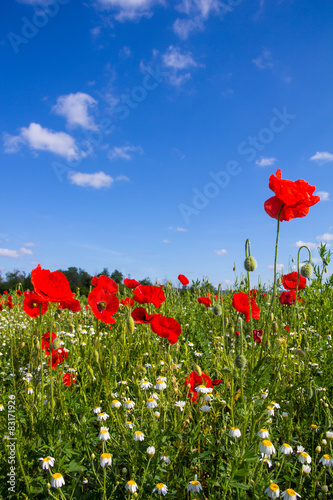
193 380
148 294
53 287
47 339
18 293
32 303
240 302
297 198
94 281
165 327
131 283
140 315
289 281
0 306
5 292
103 303
205 300
107 283
287 328
58 357
129 302
253 293
68 379
288 298
257 336
184 281
72 304
237 333
10 304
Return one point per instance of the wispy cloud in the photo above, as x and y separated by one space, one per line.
124 152
43 139
265 162
14 254
223 251
279 267
166 241
324 195
325 237
264 61
75 108
322 157
29 244
97 180
181 230
178 63
197 12
312 246
130 10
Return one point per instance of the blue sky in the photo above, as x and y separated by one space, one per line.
140 134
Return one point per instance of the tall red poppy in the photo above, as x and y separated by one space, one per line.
58 356
47 339
193 380
205 300
68 379
131 283
148 294
184 281
107 283
140 315
166 327
297 198
240 302
129 302
104 303
53 287
32 303
289 281
288 298
257 336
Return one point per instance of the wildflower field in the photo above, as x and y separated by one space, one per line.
185 392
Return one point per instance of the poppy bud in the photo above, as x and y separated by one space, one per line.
56 344
217 310
240 361
234 268
130 324
124 471
197 369
96 355
232 330
37 344
306 270
22 345
309 392
301 354
114 360
250 264
272 316
275 327
304 315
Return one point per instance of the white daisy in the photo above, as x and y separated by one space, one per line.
57 481
273 491
161 489
47 462
106 459
138 436
131 486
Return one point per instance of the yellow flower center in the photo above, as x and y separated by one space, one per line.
46 459
101 305
131 483
314 426
234 428
194 483
328 457
115 401
263 430
160 486
160 382
303 454
291 492
274 487
286 445
151 399
138 433
269 408
105 455
266 442
165 454
103 432
57 475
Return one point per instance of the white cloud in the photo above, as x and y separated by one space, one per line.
173 58
29 244
96 31
130 10
43 139
75 108
325 237
122 178
324 195
279 267
97 180
181 229
184 27
124 152
223 251
312 246
265 162
264 61
14 254
166 241
322 157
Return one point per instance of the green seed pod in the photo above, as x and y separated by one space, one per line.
275 327
22 345
278 281
114 360
301 354
130 324
240 361
217 310
232 330
250 264
56 344
304 315
306 270
96 355
272 316
309 392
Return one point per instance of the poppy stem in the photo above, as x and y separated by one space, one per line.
295 311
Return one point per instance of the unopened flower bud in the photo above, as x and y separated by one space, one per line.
324 442
318 449
96 355
56 344
301 354
197 369
130 324
275 327
250 264
306 270
217 310
240 361
324 488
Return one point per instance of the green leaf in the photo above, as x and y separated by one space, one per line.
240 486
242 472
